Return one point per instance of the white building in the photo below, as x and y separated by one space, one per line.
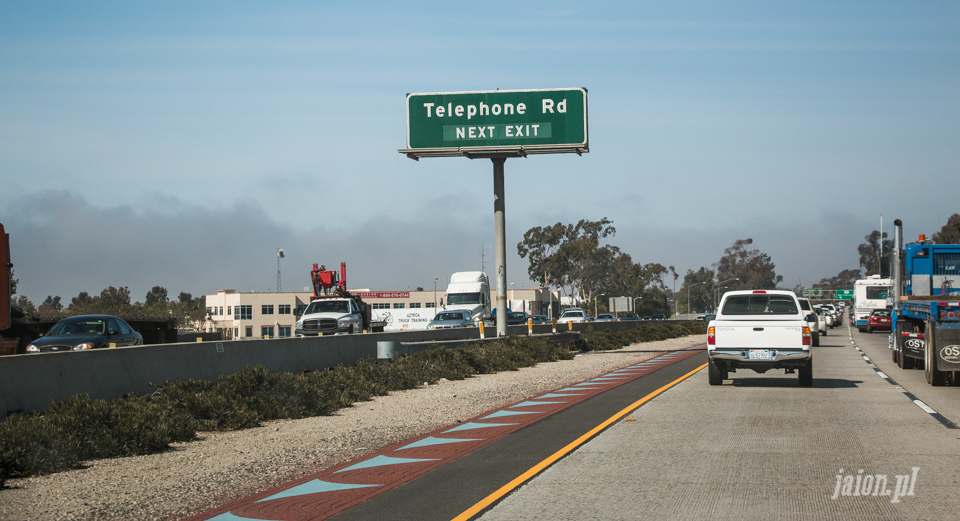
272 315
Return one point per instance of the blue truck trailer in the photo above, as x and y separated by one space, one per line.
926 308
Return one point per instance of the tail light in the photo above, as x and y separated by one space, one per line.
712 336
806 336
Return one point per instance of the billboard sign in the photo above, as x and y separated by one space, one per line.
513 122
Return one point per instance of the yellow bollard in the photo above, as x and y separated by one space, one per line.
481 329
113 344
199 339
529 326
554 320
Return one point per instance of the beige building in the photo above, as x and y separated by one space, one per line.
272 315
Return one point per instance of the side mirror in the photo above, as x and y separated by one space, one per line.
113 332
811 318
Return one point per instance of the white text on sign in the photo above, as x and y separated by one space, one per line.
495 109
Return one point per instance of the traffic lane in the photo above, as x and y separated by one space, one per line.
761 448
945 399
445 492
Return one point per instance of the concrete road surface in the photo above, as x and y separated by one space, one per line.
853 446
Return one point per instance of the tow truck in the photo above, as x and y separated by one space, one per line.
926 308
333 310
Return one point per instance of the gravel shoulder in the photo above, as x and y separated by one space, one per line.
223 466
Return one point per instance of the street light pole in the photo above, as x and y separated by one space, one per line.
595 297
717 304
435 293
550 303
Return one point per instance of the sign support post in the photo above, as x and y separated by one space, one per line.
500 240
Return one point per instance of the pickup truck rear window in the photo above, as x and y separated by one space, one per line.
759 305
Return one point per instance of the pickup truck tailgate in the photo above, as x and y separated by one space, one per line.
768 334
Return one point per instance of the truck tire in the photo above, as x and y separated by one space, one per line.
934 376
805 375
896 356
714 374
869 329
824 332
816 340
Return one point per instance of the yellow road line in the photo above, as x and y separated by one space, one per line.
536 469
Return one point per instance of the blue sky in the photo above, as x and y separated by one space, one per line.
180 144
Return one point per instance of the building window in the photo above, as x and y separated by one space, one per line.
414 305
236 332
266 309
249 331
380 305
209 311
229 310
430 305
283 309
221 311
301 308
266 331
243 313
398 305
284 332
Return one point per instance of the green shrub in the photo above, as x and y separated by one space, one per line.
649 332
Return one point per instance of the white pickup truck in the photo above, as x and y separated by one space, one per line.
760 330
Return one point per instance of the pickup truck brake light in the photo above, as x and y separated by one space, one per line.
712 336
759 291
806 336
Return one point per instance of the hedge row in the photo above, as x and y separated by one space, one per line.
606 340
78 428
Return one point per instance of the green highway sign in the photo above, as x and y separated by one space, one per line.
809 292
498 122
844 294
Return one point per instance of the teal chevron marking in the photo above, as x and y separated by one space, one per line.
310 487
471 425
380 461
555 395
532 404
227 516
499 414
430 440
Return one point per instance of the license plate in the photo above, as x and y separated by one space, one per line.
759 354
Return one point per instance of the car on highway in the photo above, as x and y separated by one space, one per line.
879 320
808 310
630 316
86 332
760 330
605 317
572 315
450 319
540 319
516 318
